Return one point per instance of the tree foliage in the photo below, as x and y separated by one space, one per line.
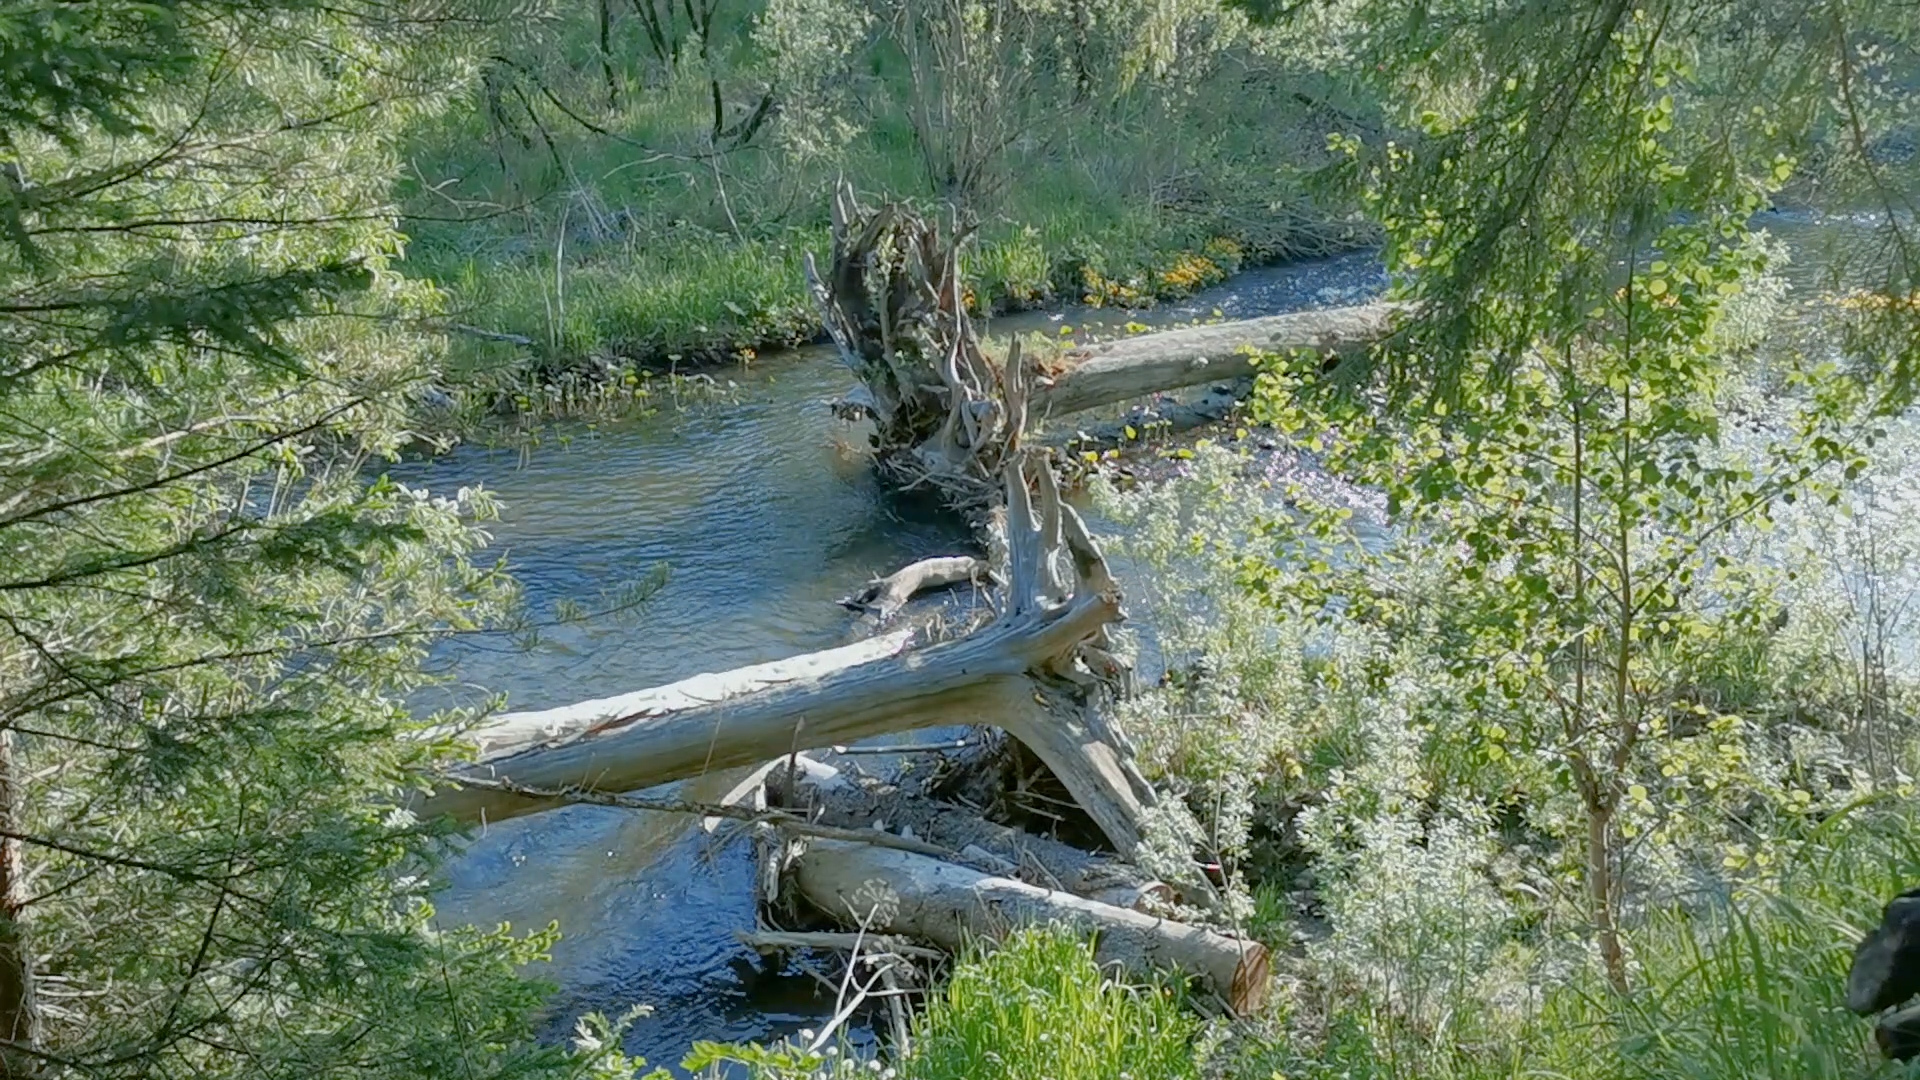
1504 194
211 609
1572 217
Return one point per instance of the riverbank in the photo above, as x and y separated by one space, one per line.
1259 702
600 211
631 329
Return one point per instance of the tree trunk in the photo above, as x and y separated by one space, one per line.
898 892
829 798
606 55
945 415
1035 671
1603 892
1133 367
19 1011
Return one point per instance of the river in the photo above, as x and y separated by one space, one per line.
762 514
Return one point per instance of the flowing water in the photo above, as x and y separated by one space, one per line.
761 515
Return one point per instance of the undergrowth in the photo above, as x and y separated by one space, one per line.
1042 1006
1037 1005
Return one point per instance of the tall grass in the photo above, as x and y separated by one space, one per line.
1741 986
614 232
1041 1007
1751 985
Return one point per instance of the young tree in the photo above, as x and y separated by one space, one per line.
1571 215
210 613
1512 115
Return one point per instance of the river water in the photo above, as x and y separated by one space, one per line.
761 514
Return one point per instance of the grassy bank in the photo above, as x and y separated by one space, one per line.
583 235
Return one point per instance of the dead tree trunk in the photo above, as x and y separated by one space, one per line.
1031 671
894 303
828 797
946 415
1132 367
898 892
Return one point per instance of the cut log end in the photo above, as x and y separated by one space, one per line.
1252 979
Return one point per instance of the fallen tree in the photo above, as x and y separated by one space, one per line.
888 891
1034 671
1042 669
825 797
1127 368
945 414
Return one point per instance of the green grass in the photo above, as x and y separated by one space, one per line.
626 246
696 301
1752 988
1041 1007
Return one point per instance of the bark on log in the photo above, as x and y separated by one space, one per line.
1134 367
897 892
885 596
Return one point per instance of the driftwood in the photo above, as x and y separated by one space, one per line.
774 817
826 797
898 892
885 596
1043 669
1032 671
894 304
1133 367
945 414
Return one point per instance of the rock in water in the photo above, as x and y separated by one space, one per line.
1886 966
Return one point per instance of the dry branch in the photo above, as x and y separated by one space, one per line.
773 940
885 596
1030 672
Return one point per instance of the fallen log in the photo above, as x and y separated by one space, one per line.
946 415
904 894
827 798
1028 672
715 811
1134 367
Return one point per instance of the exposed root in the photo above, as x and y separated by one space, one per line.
945 416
